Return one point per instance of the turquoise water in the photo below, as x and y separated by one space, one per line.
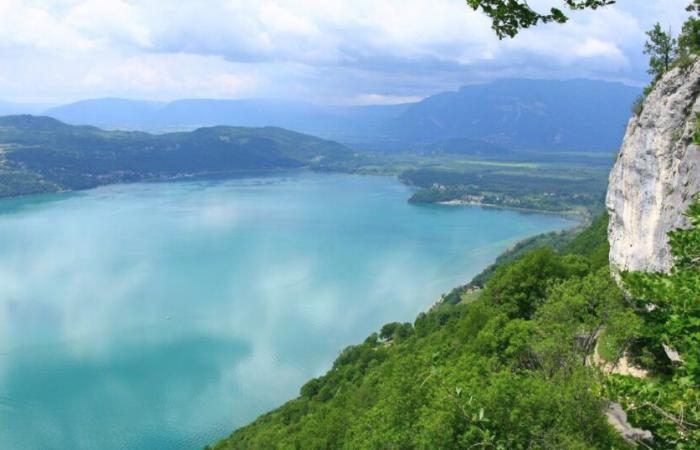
162 316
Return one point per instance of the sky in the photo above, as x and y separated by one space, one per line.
322 51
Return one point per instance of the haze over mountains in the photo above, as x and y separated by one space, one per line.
572 115
9 108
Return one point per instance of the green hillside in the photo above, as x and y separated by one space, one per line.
509 369
41 154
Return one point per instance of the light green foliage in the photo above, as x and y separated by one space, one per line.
592 243
510 16
668 403
585 306
504 371
520 288
509 370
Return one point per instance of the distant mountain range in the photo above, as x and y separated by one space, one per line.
42 154
514 114
524 114
330 121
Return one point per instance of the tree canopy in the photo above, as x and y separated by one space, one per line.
668 343
662 50
510 16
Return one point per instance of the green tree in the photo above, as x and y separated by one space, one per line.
689 39
673 301
519 288
662 50
510 16
668 404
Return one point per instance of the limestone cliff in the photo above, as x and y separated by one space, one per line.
656 175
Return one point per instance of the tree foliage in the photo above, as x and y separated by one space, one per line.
666 51
510 16
505 371
668 402
662 50
689 39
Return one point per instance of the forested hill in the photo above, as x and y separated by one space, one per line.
549 353
529 361
500 369
509 114
42 154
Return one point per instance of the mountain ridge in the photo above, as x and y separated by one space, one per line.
529 114
43 154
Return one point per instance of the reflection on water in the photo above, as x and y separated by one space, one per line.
164 315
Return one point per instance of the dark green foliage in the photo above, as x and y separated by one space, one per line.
505 371
662 50
666 52
689 39
15 181
638 105
42 154
510 16
396 331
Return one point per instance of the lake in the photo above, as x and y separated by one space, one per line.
164 315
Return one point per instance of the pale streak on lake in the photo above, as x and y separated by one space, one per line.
162 316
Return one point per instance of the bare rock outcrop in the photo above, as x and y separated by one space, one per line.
656 175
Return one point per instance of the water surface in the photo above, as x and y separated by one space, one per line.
162 316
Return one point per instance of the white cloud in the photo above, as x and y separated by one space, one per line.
592 48
379 99
324 50
27 27
108 21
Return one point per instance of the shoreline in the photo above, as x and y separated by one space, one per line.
584 216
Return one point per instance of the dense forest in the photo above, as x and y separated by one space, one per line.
41 154
521 365
547 348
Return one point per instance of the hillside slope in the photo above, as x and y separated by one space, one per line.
504 371
41 154
551 352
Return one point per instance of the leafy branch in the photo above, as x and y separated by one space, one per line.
510 16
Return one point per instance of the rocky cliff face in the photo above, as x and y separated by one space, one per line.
656 175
